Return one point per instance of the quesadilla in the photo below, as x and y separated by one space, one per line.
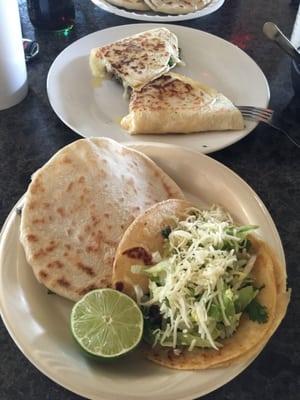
139 5
77 208
138 59
211 293
174 103
177 6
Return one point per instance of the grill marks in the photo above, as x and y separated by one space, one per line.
73 252
139 253
86 269
87 289
63 282
140 58
32 238
167 92
55 264
52 246
61 211
134 54
177 7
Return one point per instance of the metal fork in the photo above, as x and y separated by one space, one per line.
267 116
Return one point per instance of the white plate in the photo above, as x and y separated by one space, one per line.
39 323
157 17
96 111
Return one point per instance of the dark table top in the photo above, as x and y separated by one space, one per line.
30 133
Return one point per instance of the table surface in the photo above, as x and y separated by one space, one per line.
30 133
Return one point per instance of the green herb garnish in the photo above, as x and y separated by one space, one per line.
165 232
257 312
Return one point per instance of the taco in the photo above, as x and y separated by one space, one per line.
211 293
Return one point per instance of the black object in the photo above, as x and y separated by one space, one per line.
51 15
31 49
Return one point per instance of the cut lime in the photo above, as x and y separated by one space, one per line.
107 323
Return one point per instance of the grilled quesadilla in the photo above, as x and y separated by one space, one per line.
139 5
138 59
174 103
77 208
211 294
177 6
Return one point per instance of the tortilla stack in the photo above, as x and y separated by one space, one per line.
79 205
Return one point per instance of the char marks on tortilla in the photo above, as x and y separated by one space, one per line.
175 103
137 59
77 208
177 6
249 338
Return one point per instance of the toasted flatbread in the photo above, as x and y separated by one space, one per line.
250 337
77 208
174 103
138 59
139 5
177 6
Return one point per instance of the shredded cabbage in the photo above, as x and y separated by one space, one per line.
197 282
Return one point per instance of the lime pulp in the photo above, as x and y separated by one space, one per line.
107 323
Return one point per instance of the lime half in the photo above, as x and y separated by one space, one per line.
107 323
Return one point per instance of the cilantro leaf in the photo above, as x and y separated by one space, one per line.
171 62
165 232
257 312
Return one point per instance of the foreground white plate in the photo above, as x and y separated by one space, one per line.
39 323
96 111
155 17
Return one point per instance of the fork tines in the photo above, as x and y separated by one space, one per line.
256 112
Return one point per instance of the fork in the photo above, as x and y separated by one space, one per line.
267 116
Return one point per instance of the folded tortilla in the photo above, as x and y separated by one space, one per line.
138 59
250 337
175 103
138 5
177 6
77 208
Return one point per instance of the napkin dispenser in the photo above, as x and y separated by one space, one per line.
13 74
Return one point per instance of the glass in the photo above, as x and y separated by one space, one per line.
53 15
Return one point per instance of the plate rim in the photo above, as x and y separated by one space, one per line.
131 14
46 371
51 73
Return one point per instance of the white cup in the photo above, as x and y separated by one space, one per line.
13 74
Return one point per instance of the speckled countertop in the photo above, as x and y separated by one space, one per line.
30 132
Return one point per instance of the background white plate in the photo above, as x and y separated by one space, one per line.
96 111
154 17
39 323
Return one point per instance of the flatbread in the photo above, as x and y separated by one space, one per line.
139 5
175 103
250 337
77 208
137 59
177 6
